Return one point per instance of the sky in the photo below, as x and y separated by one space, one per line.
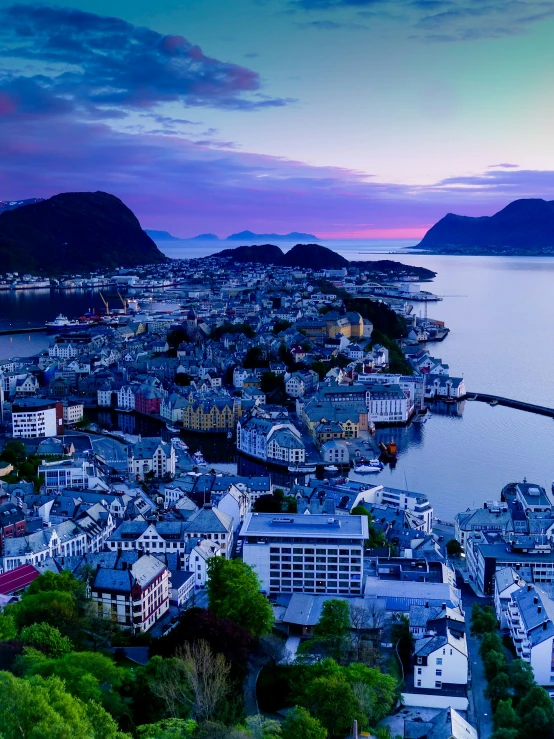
342 118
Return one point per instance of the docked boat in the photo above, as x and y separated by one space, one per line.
61 324
173 429
331 468
389 451
369 468
198 459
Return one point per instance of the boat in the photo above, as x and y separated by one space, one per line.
173 429
177 442
331 468
61 324
368 469
389 451
198 459
229 434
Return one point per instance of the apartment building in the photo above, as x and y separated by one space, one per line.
530 618
151 454
135 594
306 554
35 418
78 474
65 539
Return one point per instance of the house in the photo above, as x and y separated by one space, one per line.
494 516
12 523
148 399
301 383
530 618
65 539
73 412
199 557
14 582
182 587
126 397
133 591
36 418
278 442
443 386
335 452
447 724
151 455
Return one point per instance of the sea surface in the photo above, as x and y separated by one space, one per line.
501 314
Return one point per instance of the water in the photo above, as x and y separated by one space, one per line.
500 342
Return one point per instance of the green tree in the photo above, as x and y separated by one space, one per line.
46 639
454 548
521 678
498 689
169 728
234 592
536 713
491 642
483 620
8 628
255 358
494 664
374 690
299 724
376 537
281 325
332 700
56 608
333 627
61 582
505 716
38 708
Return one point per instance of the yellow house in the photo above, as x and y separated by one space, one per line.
211 415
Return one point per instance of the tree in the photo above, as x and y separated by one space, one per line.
374 690
38 708
454 548
167 680
169 728
63 581
234 592
177 336
494 664
255 358
376 537
208 677
483 620
521 678
504 733
46 639
281 325
332 700
491 642
56 608
333 627
299 724
182 379
259 727
8 629
505 717
498 689
403 638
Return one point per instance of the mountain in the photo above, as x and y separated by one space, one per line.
525 226
74 231
301 255
204 237
259 253
13 204
249 236
314 256
161 235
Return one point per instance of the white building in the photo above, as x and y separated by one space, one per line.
76 474
530 618
272 441
418 503
135 595
126 397
73 412
306 554
441 658
62 540
34 418
506 581
301 383
388 404
151 454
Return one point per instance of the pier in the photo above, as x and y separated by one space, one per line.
520 405
30 330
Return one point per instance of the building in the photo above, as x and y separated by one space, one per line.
151 455
126 397
76 474
12 523
306 554
34 418
73 412
214 413
506 582
448 724
530 618
65 539
388 404
441 656
279 442
148 400
494 516
302 383
444 386
14 582
135 594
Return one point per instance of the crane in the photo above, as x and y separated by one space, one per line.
105 304
124 303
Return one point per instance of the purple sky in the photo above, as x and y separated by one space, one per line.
222 140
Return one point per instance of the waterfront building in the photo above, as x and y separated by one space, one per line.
210 413
306 554
443 386
36 418
126 397
73 411
530 619
411 385
151 454
494 516
388 404
279 442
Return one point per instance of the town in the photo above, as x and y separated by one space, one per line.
109 482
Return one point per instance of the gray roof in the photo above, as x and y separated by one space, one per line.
537 617
311 526
426 646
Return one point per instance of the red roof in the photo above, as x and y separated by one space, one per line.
14 580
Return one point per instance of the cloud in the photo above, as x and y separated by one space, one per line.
333 26
442 20
504 165
100 62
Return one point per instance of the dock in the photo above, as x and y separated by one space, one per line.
520 405
30 330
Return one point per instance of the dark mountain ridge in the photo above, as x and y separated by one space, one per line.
525 225
74 231
301 255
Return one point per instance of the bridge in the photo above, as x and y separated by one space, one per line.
520 405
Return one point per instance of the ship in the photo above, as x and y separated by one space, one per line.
389 451
61 325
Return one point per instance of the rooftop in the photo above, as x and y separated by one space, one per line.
312 526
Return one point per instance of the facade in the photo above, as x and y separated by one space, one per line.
530 618
301 383
34 418
306 554
134 594
63 540
67 473
12 523
441 659
494 516
506 582
148 400
279 442
151 454
443 386
212 414
388 404
73 412
126 397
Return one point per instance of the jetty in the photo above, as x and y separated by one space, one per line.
520 405
29 330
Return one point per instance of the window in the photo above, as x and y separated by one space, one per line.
419 662
438 673
439 660
438 683
419 670
418 684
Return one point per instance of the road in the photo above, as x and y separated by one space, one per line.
481 715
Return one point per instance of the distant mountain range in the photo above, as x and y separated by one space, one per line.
242 236
13 204
301 255
523 227
73 231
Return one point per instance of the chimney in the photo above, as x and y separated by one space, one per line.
539 609
529 588
535 600
427 604
545 626
443 606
